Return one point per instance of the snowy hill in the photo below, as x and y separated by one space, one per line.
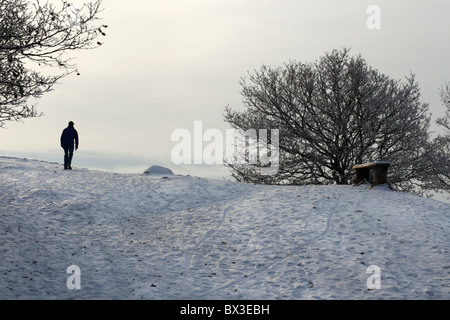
144 236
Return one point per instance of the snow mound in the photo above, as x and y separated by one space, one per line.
158 170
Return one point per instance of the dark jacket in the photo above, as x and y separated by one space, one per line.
68 136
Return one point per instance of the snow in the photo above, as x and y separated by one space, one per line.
381 163
158 170
139 236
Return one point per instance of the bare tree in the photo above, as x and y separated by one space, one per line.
444 93
442 144
34 36
332 114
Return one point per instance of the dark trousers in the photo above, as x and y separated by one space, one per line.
68 154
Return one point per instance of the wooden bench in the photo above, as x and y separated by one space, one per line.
374 172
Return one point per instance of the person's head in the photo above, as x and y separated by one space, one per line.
71 123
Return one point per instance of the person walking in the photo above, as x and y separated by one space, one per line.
69 140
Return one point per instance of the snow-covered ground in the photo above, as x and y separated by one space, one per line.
153 236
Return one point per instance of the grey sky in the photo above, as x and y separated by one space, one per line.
167 63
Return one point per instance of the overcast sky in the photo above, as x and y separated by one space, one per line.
167 63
